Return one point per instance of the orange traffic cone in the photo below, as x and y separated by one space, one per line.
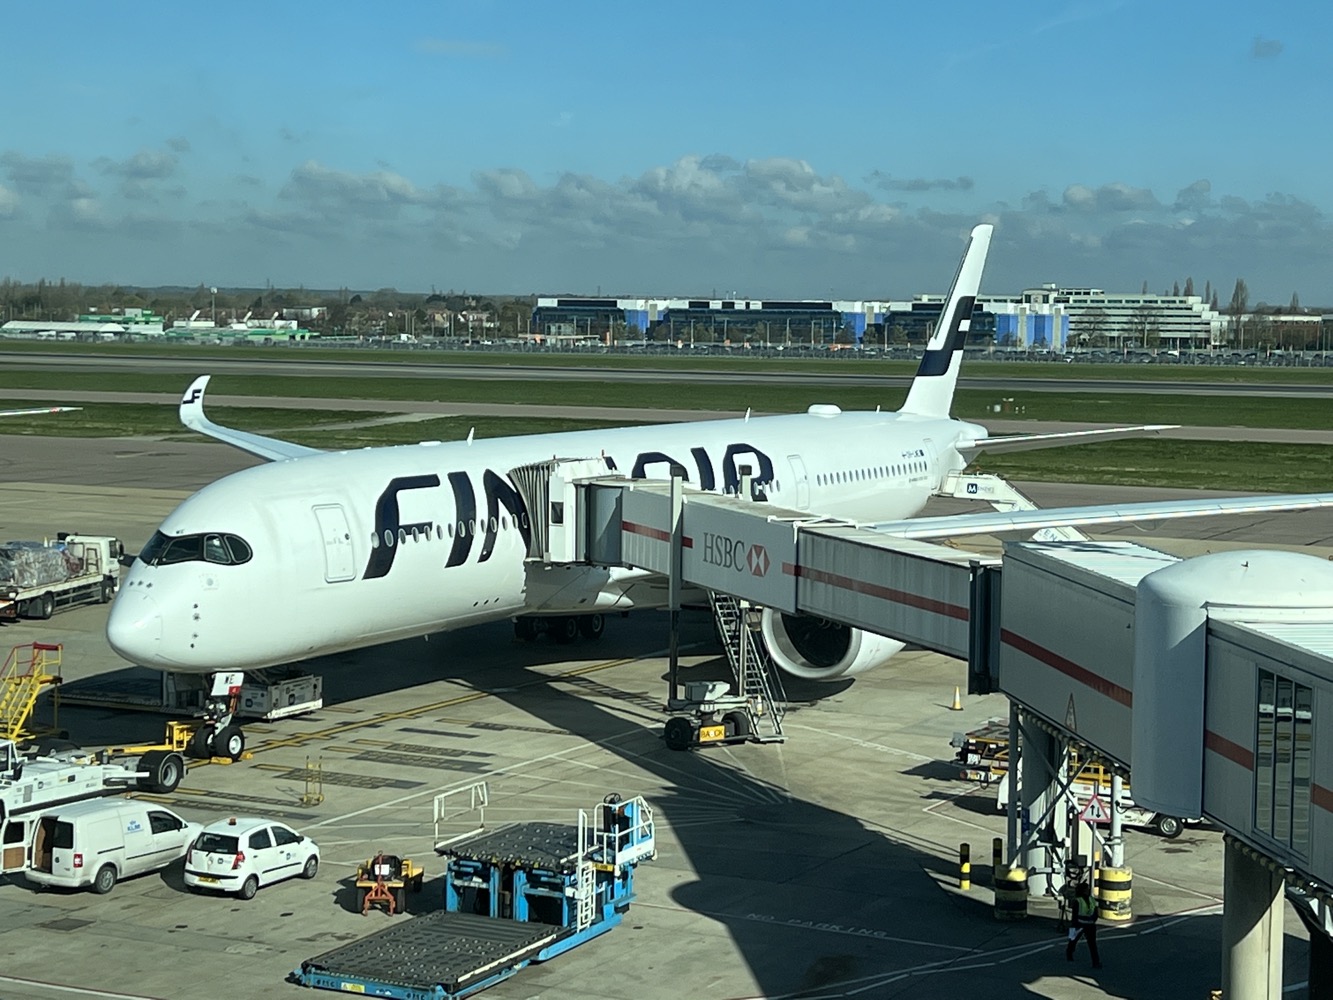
957 705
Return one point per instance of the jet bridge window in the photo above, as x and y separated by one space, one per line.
1282 772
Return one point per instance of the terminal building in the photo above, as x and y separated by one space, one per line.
1049 318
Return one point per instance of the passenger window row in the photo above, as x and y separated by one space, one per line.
444 532
874 472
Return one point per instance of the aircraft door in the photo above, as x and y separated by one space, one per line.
933 464
337 536
802 482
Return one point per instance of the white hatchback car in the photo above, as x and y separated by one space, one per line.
238 855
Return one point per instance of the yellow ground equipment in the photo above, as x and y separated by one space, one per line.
28 670
384 881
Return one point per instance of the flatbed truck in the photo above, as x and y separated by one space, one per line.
39 578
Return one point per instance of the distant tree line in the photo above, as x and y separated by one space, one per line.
343 312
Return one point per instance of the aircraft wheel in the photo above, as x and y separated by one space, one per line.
525 628
230 742
201 744
592 626
564 630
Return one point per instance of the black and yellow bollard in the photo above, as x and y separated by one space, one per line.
1011 894
996 860
1114 890
965 867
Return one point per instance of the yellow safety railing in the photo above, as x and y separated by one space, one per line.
27 671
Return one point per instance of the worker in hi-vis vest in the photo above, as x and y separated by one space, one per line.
1085 924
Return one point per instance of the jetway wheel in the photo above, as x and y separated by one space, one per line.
1169 826
679 733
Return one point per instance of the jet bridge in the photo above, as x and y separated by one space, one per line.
1206 677
917 592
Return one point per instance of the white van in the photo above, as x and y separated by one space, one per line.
101 841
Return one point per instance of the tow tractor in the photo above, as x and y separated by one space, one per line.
384 881
59 772
513 896
709 714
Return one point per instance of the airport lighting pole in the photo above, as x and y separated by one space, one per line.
214 292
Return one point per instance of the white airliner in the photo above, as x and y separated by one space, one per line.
320 552
38 411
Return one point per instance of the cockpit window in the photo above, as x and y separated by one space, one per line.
226 550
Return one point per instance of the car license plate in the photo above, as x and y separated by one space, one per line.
209 879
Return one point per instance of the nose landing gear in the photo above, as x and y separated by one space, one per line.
219 735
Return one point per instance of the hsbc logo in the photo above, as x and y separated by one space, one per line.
732 553
756 557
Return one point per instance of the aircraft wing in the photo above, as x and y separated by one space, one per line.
38 411
1028 442
1071 517
270 449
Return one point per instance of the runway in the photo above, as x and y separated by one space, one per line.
411 367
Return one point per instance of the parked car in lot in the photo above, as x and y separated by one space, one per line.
240 854
99 842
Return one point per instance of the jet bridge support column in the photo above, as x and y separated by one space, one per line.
1251 926
674 581
1045 815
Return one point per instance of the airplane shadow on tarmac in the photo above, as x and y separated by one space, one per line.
817 902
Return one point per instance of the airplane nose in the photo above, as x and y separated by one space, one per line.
134 628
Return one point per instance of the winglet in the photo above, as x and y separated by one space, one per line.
192 405
269 449
931 393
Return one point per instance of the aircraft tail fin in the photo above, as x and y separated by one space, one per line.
931 394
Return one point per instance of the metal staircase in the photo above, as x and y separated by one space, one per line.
757 677
27 670
1003 496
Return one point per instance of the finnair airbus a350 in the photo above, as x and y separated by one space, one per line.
320 552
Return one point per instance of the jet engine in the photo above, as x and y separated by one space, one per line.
817 649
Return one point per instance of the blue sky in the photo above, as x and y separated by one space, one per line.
776 149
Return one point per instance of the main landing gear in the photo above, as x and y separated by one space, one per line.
220 735
562 628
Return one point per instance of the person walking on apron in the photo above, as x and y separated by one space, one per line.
1085 924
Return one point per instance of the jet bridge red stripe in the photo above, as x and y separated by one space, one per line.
1068 667
656 534
876 590
1321 797
1233 752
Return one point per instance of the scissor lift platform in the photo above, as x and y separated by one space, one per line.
514 895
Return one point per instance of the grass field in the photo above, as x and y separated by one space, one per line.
844 362
1218 465
1220 410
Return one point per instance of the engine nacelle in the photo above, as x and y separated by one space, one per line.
816 649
